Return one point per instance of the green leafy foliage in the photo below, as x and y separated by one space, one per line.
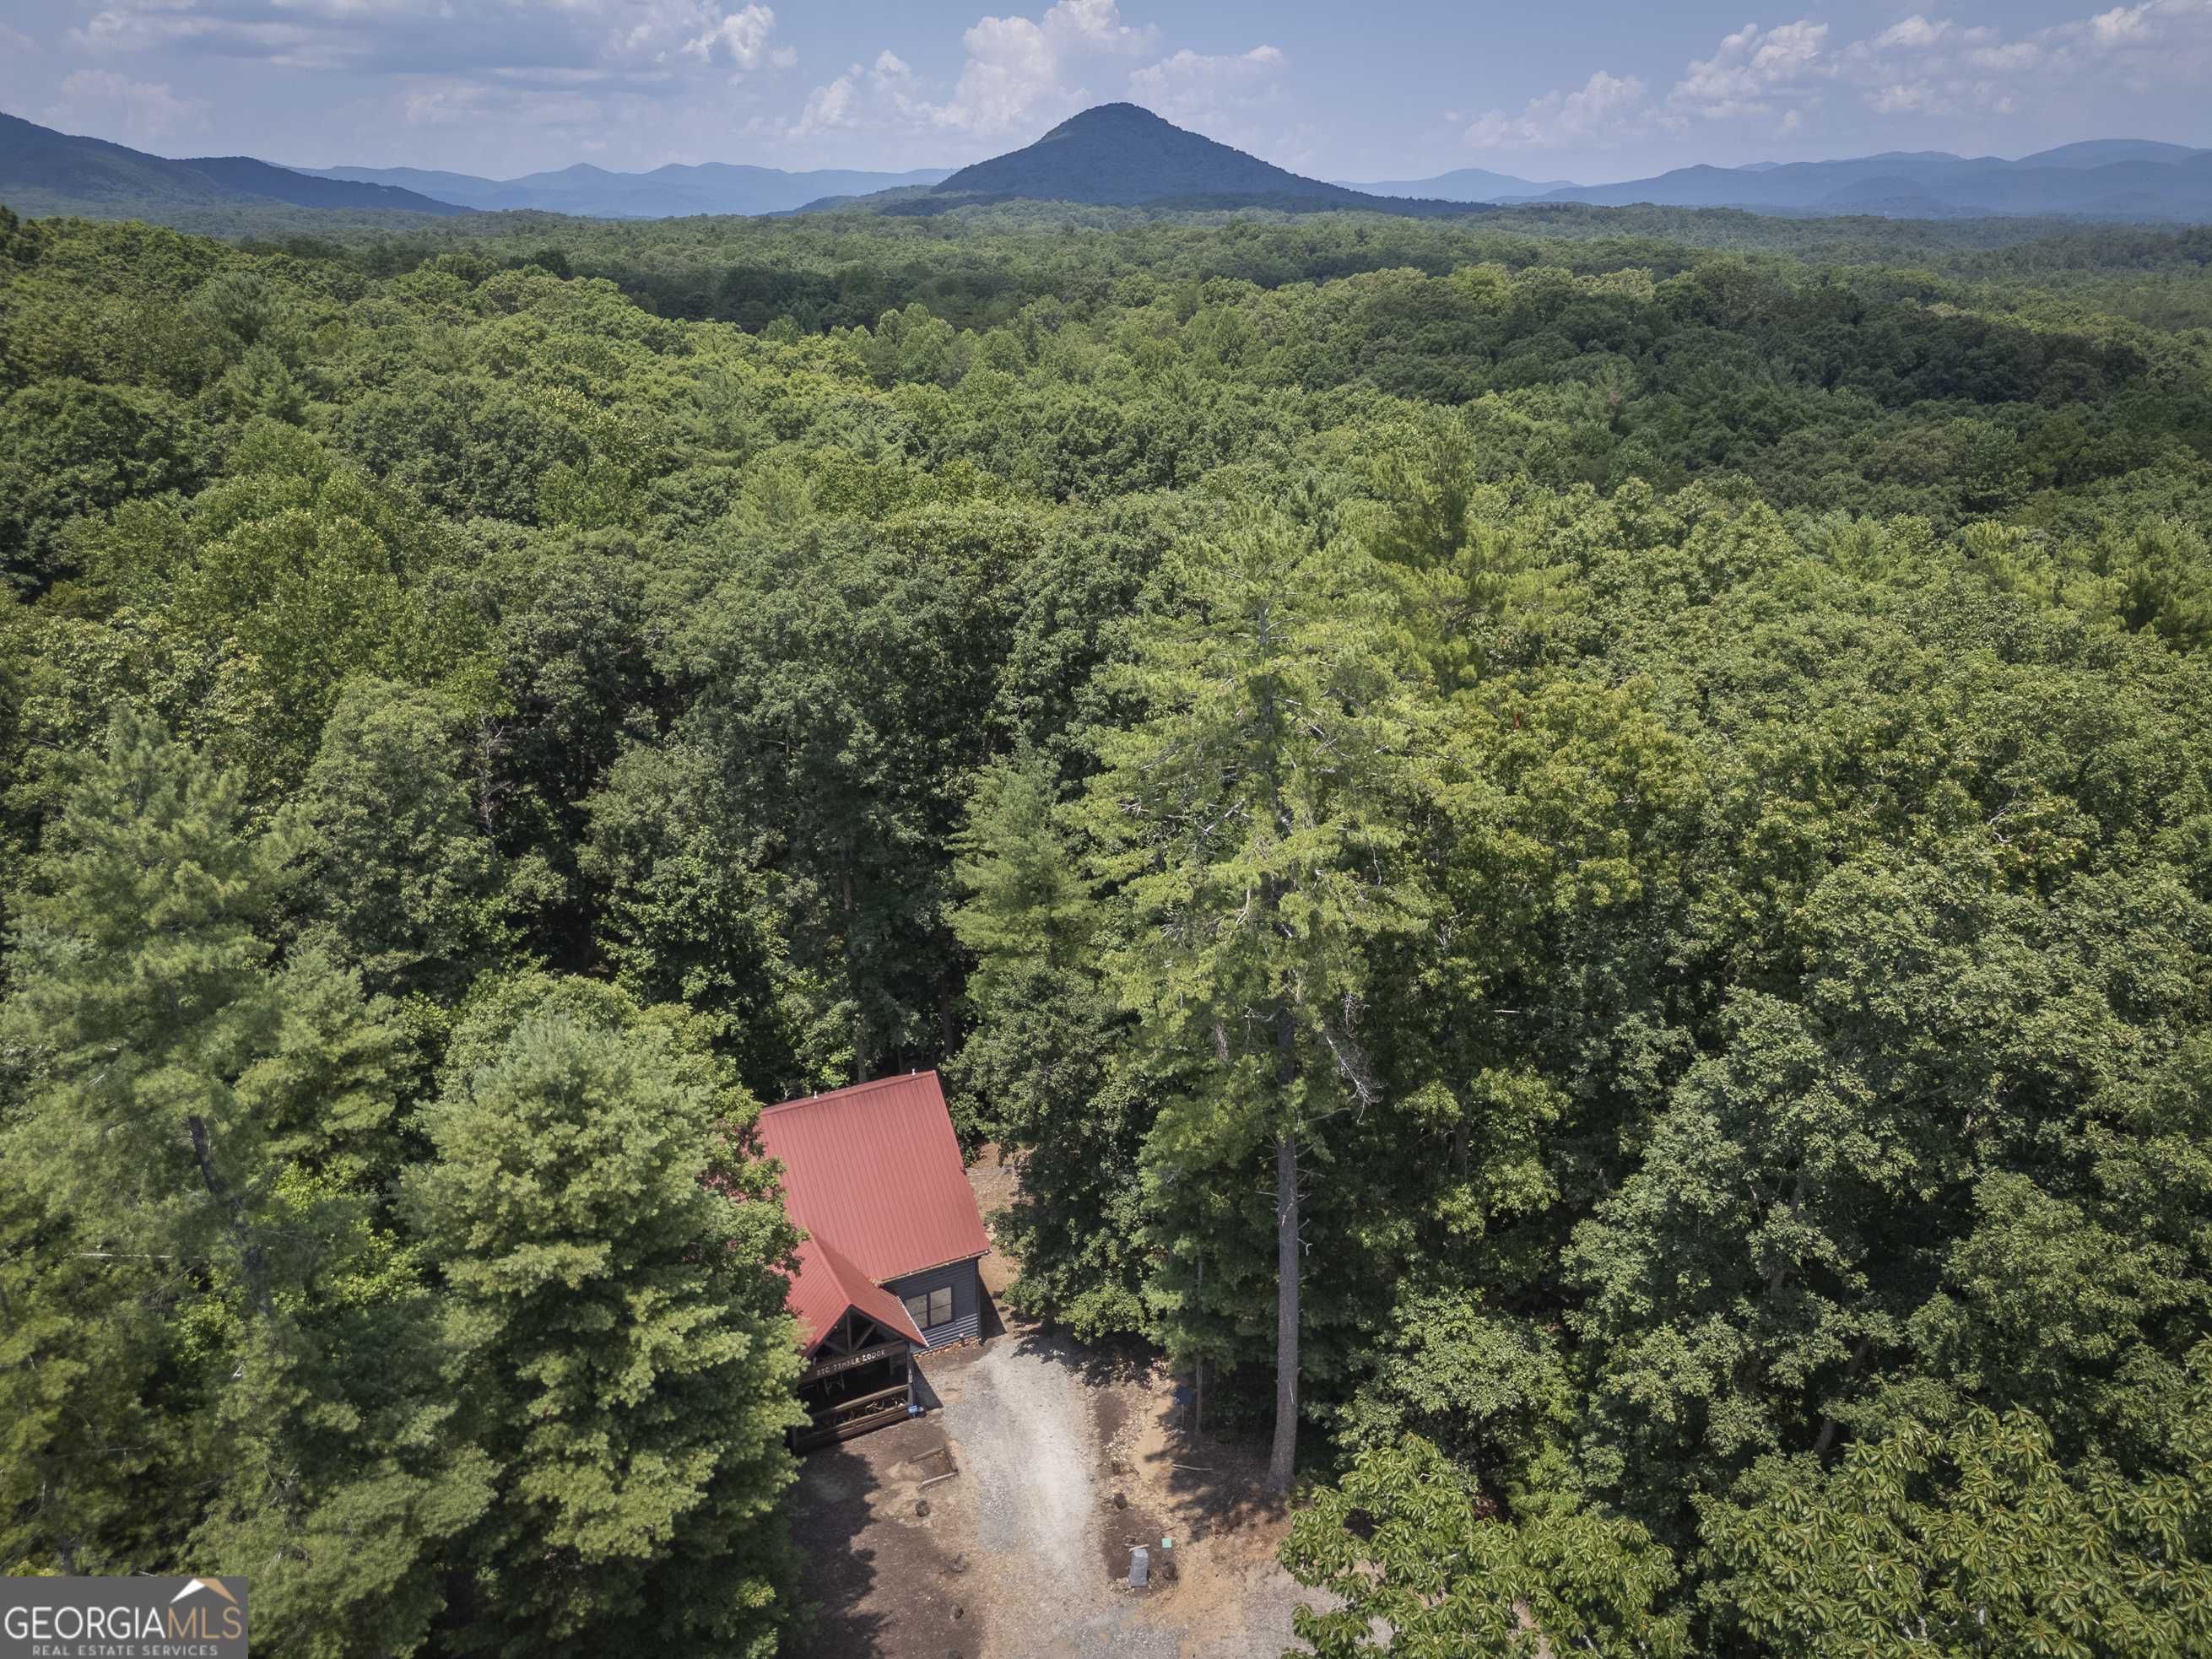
1974 1540
240 1367
1408 1548
395 869
1572 853
610 1348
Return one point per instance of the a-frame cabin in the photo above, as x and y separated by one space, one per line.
874 1174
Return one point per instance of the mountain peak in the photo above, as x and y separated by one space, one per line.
1108 116
1124 156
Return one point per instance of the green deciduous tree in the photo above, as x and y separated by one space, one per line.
1975 1540
1591 828
607 1307
1423 1569
396 872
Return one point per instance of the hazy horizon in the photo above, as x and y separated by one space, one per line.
1537 174
1596 92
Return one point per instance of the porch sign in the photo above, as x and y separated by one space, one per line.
123 1618
846 1361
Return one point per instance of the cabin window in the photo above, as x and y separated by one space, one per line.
931 1308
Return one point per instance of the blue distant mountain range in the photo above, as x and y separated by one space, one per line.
1113 154
2102 178
667 192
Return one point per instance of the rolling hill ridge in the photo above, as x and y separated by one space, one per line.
51 171
1461 185
1117 155
665 192
2109 178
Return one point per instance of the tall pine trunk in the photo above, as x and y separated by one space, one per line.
1283 1456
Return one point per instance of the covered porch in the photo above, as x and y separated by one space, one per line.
859 1376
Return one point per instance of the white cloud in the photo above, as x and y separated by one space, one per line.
1768 74
1012 68
743 36
1020 74
1917 66
267 37
1915 33
1097 25
1753 71
859 97
829 105
1918 98
2173 35
115 103
1605 107
1019 71
435 37
2121 25
1202 90
1936 67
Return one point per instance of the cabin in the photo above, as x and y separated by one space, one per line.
874 1175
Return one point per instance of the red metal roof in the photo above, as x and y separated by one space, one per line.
875 1170
826 1284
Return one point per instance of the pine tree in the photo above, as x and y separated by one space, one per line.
76 1438
1254 826
1048 1070
613 1351
143 993
192 1116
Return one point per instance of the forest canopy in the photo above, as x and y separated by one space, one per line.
1575 851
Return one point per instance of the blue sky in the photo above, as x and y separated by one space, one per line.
1586 89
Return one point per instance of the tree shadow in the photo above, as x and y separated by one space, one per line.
1098 1364
1223 1471
829 1512
880 1584
989 1323
1223 1475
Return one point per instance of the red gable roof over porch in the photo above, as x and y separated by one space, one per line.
826 1284
873 1173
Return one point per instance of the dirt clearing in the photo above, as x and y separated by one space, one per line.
1024 1552
885 1579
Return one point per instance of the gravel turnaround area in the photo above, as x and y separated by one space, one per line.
1027 1446
1024 1553
1063 1457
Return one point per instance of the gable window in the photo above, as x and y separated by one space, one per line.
930 1307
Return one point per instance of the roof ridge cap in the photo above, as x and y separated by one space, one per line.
853 1089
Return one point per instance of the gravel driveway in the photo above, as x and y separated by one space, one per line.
1026 1444
1022 1423
1066 1457
1024 1420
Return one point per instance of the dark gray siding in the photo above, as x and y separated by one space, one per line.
967 1319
